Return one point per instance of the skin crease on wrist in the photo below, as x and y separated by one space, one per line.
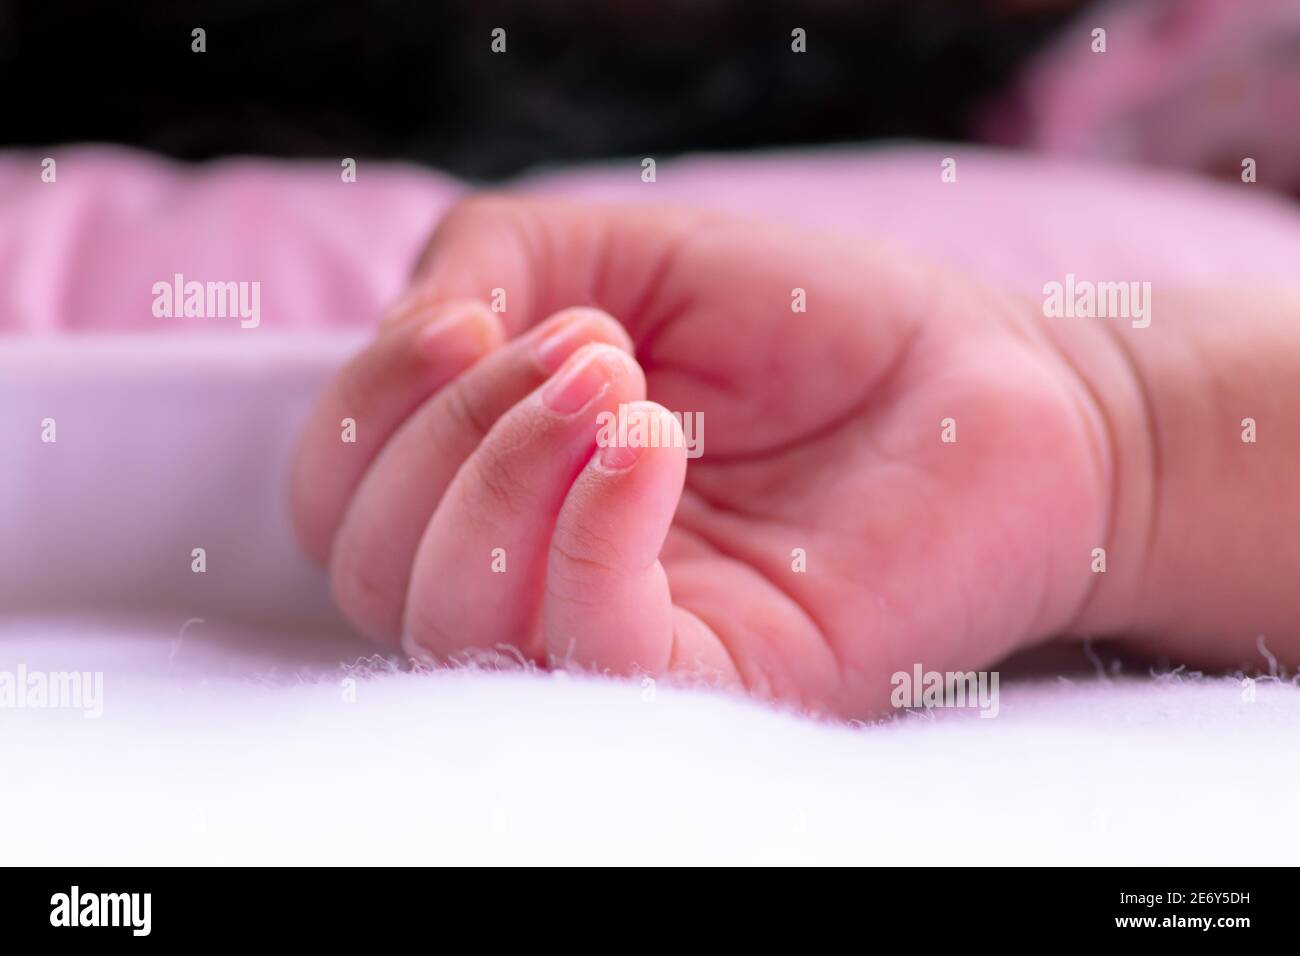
1200 561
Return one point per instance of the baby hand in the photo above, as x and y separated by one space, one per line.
896 466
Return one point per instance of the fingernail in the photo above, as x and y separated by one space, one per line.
619 457
464 334
559 343
581 380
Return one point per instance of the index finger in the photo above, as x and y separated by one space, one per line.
366 402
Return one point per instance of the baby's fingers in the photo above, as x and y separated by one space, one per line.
376 545
480 571
607 602
368 400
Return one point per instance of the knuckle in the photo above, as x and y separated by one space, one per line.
465 416
475 208
423 627
498 485
582 544
365 596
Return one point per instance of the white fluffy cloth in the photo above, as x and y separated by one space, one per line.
230 746
231 739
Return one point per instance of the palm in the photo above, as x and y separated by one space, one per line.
828 534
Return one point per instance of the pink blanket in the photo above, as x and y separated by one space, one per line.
86 251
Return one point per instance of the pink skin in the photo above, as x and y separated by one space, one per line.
823 432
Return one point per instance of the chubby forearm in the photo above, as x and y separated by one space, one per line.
1203 412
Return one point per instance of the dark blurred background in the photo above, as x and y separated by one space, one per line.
418 81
